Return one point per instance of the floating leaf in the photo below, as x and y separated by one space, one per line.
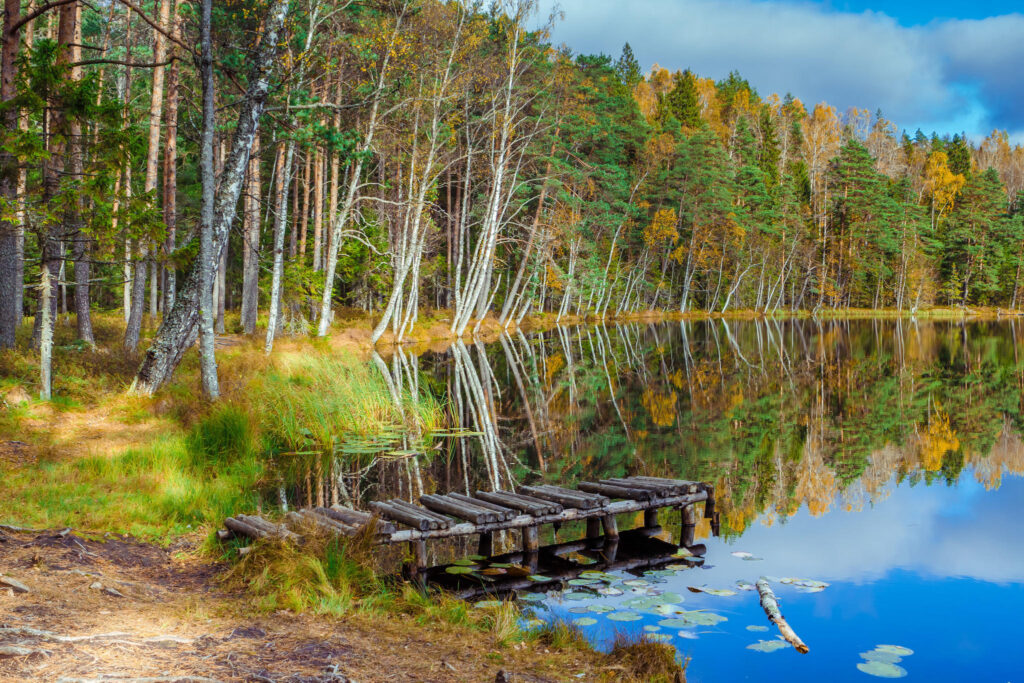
601 576
493 571
624 616
651 628
577 595
636 583
465 562
537 578
677 567
759 629
582 582
502 565
691 619
896 650
460 570
578 610
881 656
601 609
609 590
585 621
882 669
767 645
533 597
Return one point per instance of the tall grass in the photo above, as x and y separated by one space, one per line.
311 401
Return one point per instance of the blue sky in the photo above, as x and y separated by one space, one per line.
941 65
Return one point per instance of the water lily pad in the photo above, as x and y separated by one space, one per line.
600 576
502 565
624 616
896 650
532 597
537 578
460 570
488 604
582 582
881 656
578 610
757 628
465 562
651 628
609 591
767 645
601 609
577 595
636 583
882 669
493 571
691 619
585 621
677 567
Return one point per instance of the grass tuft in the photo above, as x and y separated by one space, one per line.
647 660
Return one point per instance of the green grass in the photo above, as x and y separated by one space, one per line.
193 477
157 492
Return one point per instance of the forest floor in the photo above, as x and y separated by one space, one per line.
112 608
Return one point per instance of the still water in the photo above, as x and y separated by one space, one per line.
882 458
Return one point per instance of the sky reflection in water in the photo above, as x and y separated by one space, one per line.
934 568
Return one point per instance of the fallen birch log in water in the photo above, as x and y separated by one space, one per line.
770 604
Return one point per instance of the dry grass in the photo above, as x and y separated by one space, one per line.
647 660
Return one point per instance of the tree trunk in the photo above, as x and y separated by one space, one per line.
178 331
142 255
10 256
207 241
171 171
251 244
285 159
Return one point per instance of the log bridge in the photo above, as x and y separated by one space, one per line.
526 509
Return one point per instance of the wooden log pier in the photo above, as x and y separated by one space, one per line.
526 509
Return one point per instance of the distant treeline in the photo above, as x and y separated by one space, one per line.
414 154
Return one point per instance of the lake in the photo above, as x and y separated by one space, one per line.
882 458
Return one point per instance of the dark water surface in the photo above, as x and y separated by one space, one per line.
880 457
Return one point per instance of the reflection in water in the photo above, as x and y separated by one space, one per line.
778 414
873 454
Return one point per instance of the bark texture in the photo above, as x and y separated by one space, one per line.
178 331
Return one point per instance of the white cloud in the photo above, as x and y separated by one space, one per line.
932 75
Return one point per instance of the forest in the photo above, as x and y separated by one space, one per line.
174 161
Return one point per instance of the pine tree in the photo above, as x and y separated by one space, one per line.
682 102
628 68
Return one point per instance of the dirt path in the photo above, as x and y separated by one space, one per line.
113 609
